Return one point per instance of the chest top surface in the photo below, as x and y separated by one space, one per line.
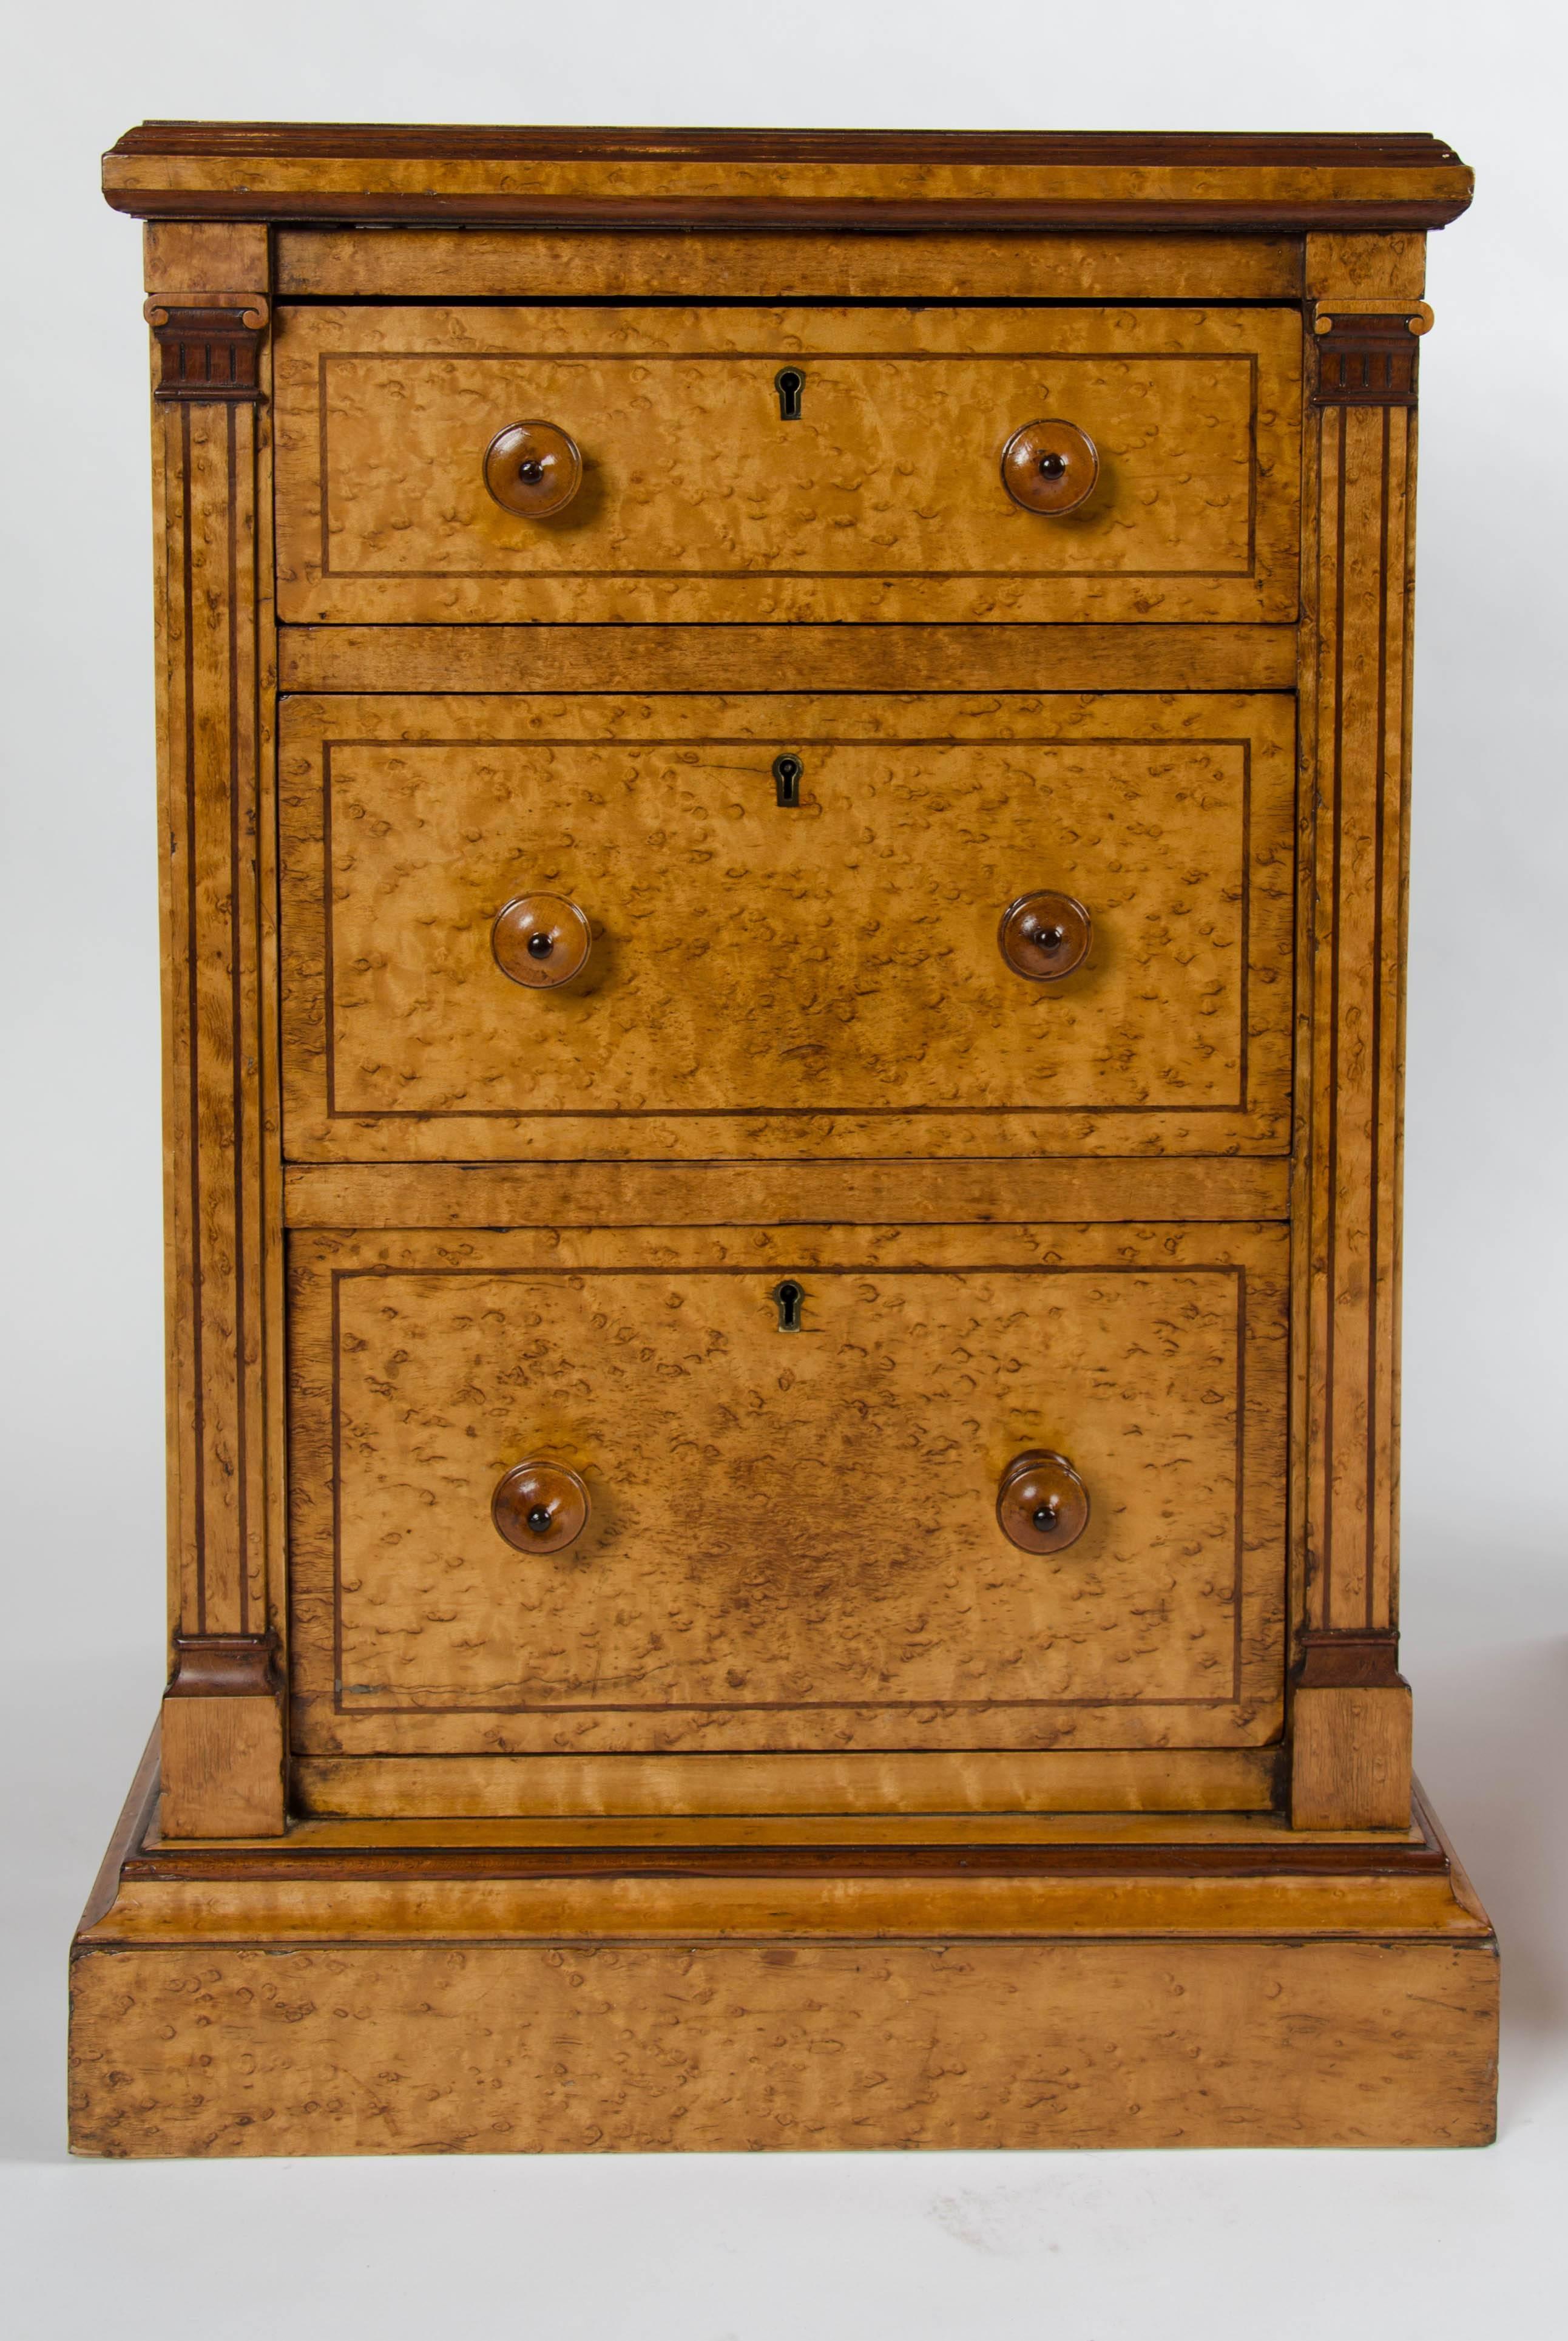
374 173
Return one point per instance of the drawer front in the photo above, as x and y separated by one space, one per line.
882 499
775 981
792 1539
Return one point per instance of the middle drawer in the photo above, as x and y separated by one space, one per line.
853 925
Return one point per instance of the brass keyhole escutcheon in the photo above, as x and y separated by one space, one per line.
790 382
787 772
790 1299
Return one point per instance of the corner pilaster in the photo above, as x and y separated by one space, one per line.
222 1730
1351 1706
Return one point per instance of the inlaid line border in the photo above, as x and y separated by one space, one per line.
916 574
383 1271
1241 1105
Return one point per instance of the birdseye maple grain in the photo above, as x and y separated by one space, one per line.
807 982
884 501
819 1496
843 1582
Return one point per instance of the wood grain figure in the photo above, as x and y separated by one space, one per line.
222 1177
845 1583
886 502
784 809
759 264
812 983
1362 471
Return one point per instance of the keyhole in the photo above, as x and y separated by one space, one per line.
790 382
786 771
790 1297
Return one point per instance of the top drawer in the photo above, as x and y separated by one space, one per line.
700 501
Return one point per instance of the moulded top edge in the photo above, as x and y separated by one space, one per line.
903 180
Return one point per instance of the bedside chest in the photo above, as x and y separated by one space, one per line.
785 784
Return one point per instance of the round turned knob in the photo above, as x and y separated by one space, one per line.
539 1507
541 940
1045 935
1042 1504
1050 467
532 468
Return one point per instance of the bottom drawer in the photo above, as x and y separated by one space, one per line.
792 1540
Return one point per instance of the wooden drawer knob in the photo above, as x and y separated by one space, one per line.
541 940
539 1507
1042 1503
1050 467
532 468
1044 936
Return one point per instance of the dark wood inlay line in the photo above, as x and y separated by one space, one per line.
317 1866
235 922
1240 1104
1325 1604
1375 1231
875 215
345 1703
195 1313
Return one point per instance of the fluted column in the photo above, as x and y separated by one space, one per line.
1351 1706
222 1721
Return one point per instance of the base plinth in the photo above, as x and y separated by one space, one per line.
960 1981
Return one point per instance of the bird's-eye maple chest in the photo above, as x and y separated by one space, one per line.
784 781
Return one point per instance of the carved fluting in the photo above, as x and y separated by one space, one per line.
219 1126
214 1038
209 353
1351 1709
1367 463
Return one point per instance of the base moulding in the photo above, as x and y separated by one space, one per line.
356 1991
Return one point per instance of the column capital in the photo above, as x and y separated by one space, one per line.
210 345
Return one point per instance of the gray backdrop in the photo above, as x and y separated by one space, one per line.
1077 2246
